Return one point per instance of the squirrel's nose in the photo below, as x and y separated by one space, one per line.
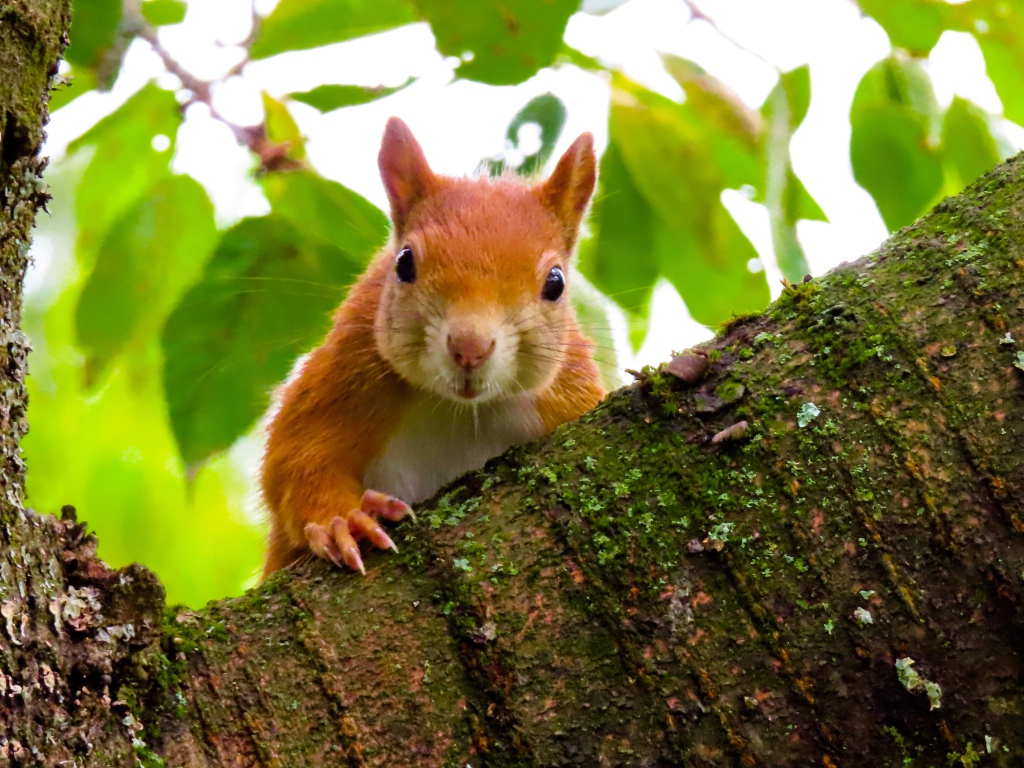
469 350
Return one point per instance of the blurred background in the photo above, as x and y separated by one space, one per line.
215 190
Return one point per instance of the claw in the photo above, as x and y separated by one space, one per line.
361 524
381 505
346 544
338 540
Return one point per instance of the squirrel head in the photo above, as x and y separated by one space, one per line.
475 305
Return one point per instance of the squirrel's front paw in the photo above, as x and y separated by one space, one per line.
337 541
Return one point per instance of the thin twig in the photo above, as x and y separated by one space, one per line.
696 14
273 155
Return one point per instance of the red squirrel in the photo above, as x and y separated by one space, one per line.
458 342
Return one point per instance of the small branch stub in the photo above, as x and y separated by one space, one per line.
689 367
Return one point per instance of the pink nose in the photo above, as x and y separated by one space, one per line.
469 350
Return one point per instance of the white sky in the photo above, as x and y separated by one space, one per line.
458 123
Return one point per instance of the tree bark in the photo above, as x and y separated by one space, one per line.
837 583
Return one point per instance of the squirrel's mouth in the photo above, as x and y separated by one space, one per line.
468 390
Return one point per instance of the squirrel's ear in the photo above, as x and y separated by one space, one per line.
403 169
568 190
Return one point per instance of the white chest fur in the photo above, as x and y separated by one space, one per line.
439 440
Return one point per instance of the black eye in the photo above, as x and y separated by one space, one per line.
554 285
405 266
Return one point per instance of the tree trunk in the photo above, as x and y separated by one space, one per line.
840 583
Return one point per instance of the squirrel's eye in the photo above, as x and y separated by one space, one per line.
405 266
554 285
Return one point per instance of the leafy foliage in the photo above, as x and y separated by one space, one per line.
172 333
264 299
917 25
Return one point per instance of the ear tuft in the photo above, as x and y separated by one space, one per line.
568 190
403 169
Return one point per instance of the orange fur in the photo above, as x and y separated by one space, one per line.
364 399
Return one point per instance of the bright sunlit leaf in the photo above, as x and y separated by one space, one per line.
998 25
785 196
915 25
163 12
620 259
330 97
282 128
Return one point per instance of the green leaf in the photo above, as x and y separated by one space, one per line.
76 82
796 84
295 25
892 160
901 81
325 209
94 26
124 164
677 158
282 128
146 259
329 97
620 260
799 203
715 285
499 43
998 26
160 13
968 145
265 297
785 196
915 25
717 106
895 129
1003 48
547 112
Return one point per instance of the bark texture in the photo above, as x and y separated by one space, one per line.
54 676
838 582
